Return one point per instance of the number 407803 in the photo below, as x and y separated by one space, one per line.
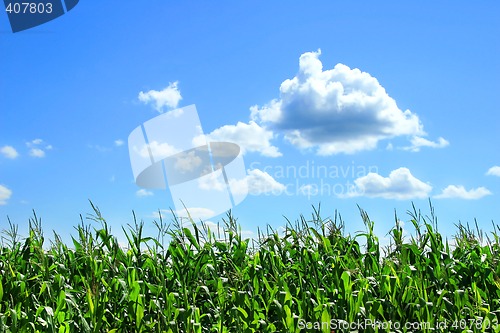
29 8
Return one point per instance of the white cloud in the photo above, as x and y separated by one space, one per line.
212 181
36 149
5 195
158 150
37 152
144 193
99 148
400 185
418 142
187 161
196 213
459 192
250 137
494 171
37 141
341 110
166 98
270 113
257 182
9 152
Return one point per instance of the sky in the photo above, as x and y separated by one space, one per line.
379 105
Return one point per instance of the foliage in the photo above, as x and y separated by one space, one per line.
309 278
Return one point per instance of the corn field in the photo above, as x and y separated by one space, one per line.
311 277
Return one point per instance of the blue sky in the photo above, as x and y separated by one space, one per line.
397 101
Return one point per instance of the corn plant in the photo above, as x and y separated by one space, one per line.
312 277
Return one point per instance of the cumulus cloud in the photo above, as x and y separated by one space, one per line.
212 181
144 193
187 161
196 213
5 195
38 148
494 171
257 182
250 137
341 110
418 142
400 185
37 152
459 192
99 148
158 150
9 152
169 97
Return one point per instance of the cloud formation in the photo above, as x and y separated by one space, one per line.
341 110
37 152
187 161
5 195
459 192
38 148
250 137
196 213
143 193
257 182
418 142
168 98
9 152
494 171
400 185
158 150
